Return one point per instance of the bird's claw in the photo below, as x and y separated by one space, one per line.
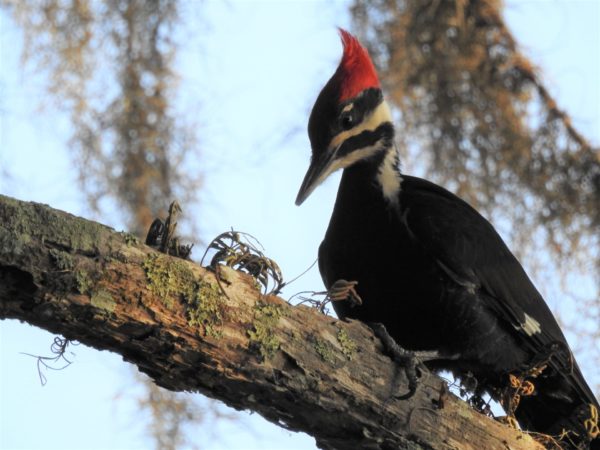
410 361
343 290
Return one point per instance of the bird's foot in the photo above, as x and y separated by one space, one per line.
410 361
343 290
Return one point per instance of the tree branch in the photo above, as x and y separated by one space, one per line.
296 367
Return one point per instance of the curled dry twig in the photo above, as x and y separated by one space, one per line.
57 362
312 299
242 251
161 235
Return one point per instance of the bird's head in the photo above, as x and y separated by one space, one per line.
350 120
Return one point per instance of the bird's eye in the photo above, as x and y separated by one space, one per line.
346 120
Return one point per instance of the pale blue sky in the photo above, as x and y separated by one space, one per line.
249 77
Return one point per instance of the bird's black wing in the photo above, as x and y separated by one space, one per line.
468 248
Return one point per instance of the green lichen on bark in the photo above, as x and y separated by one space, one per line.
346 343
206 308
130 239
262 335
169 278
83 282
173 281
325 350
62 260
88 284
103 299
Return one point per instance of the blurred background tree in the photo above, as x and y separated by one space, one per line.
110 65
132 152
473 112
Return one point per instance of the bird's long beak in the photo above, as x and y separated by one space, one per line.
320 167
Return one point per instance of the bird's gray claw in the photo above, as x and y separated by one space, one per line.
411 362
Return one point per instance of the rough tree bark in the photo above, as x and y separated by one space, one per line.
298 368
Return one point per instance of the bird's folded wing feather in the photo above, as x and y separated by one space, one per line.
471 252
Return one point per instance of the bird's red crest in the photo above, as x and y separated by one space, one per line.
356 71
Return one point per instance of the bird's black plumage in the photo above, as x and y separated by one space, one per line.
432 269
439 277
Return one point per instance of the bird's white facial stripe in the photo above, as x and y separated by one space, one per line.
349 159
389 177
380 115
530 326
353 157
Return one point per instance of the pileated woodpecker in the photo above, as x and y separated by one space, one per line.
431 270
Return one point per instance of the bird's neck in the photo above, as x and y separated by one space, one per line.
375 179
388 175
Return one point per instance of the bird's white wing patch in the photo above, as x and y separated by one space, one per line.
530 326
